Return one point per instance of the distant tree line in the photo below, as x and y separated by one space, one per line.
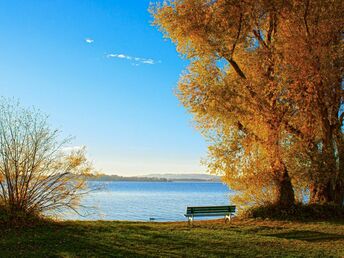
104 177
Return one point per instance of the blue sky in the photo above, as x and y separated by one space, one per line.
104 75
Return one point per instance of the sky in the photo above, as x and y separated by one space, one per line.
104 75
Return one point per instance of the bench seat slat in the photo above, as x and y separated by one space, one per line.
209 210
207 214
194 207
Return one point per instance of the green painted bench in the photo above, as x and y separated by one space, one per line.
206 211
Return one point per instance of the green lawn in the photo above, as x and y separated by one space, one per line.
248 238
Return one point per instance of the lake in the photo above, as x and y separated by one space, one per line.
142 201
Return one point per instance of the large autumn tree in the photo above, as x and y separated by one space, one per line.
311 40
231 86
244 94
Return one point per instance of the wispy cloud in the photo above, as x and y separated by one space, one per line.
135 61
89 40
119 56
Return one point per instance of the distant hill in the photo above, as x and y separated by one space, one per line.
103 177
185 177
157 178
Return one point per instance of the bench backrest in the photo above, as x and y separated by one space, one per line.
210 209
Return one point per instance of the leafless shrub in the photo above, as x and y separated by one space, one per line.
37 175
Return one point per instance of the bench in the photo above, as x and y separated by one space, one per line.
206 211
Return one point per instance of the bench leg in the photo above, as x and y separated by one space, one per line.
228 218
190 220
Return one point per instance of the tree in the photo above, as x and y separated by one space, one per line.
233 86
311 41
37 176
265 85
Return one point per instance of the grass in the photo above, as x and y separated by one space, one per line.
240 238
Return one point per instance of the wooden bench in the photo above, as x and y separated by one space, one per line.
206 211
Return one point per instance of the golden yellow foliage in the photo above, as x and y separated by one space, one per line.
254 90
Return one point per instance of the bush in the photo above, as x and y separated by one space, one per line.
299 212
37 175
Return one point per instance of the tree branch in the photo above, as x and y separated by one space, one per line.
238 35
260 39
271 28
242 128
305 17
294 130
237 68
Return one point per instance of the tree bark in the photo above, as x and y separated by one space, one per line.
321 193
329 188
325 193
339 193
285 193
330 191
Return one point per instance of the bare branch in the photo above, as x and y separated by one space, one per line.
306 16
260 39
35 174
238 35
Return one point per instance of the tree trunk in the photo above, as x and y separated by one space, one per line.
339 193
327 193
328 187
284 189
339 187
321 193
285 192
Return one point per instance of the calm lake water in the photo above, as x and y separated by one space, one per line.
140 201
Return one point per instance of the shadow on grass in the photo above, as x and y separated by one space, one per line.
131 239
119 239
66 240
309 236
298 213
